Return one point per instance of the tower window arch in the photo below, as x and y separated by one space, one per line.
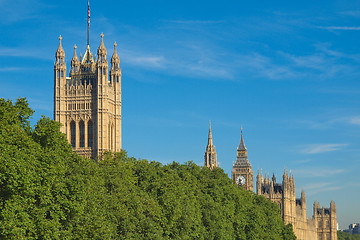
73 134
82 133
90 133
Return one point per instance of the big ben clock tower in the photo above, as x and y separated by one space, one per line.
242 173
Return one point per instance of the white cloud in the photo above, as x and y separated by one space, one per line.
146 61
321 148
355 120
314 188
24 52
317 172
12 69
342 28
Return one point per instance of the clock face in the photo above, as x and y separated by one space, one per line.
240 180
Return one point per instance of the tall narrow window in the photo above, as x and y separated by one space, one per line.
109 137
82 133
73 134
112 137
90 134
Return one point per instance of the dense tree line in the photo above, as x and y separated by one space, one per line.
347 236
49 192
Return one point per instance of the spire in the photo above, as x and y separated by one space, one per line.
210 153
242 144
60 51
115 60
115 55
102 48
210 140
303 198
75 58
75 63
274 178
88 57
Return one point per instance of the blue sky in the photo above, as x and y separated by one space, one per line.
287 71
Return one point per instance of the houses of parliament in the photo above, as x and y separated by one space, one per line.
87 103
322 225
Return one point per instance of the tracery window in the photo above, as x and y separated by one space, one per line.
73 134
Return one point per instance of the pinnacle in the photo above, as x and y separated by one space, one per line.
60 51
242 144
75 58
210 140
102 48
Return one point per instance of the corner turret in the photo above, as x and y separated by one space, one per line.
75 63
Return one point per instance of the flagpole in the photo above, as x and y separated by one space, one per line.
88 23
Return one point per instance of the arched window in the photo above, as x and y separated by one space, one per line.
90 134
73 134
82 133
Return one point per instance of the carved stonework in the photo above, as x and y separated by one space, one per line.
88 101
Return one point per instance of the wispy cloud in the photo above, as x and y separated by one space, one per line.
317 172
145 61
314 188
354 13
321 148
302 161
355 120
24 52
12 69
342 28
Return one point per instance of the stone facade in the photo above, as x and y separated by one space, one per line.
323 224
88 102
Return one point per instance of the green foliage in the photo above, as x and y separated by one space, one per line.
347 236
48 192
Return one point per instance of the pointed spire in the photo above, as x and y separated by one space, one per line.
88 57
60 51
274 178
115 60
115 55
102 48
242 144
75 58
210 140
210 153
75 63
303 198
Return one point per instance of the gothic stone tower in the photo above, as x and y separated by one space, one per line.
325 221
282 194
210 153
242 173
88 102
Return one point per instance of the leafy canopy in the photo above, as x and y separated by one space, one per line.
49 192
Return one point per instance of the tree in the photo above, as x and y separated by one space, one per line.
49 192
